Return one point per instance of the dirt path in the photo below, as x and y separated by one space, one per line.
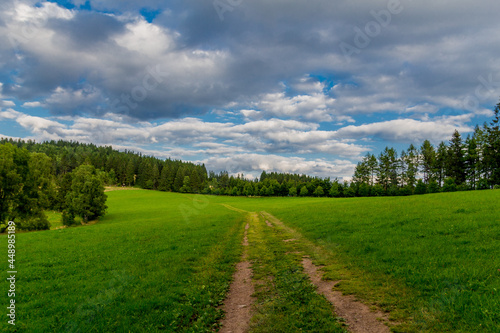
237 305
358 316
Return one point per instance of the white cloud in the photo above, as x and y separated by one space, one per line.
32 104
314 107
7 103
9 114
408 130
253 164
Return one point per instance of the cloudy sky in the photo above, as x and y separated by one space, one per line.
292 86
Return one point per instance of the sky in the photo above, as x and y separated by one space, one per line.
305 87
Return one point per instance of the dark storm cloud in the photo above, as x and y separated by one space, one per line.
87 29
425 52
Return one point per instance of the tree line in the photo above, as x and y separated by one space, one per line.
470 164
70 176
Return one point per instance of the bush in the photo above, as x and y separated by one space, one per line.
68 218
364 190
349 192
433 187
406 190
303 191
421 187
496 187
334 190
319 192
449 185
393 191
463 187
38 222
378 190
482 184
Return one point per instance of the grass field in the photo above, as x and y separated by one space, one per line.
431 260
144 267
163 262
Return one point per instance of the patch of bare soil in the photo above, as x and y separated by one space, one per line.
238 303
119 188
289 240
358 316
269 224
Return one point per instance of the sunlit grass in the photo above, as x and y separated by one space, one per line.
146 266
433 259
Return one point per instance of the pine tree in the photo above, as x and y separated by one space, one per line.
179 179
361 173
492 151
471 161
455 163
130 172
372 164
440 165
155 175
388 168
428 161
195 181
410 161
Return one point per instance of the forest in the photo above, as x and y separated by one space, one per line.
70 176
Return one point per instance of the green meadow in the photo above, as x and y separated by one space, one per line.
161 262
145 266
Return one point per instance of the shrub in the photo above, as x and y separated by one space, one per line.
463 187
421 187
433 187
319 192
449 185
303 191
482 184
38 222
68 218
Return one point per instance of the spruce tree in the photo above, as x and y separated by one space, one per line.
428 160
455 163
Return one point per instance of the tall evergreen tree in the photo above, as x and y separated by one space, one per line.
388 168
455 163
471 160
441 160
492 151
428 161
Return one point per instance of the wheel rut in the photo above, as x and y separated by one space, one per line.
358 316
238 303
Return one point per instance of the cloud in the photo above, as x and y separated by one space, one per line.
208 63
270 78
32 104
7 103
408 130
9 114
253 164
